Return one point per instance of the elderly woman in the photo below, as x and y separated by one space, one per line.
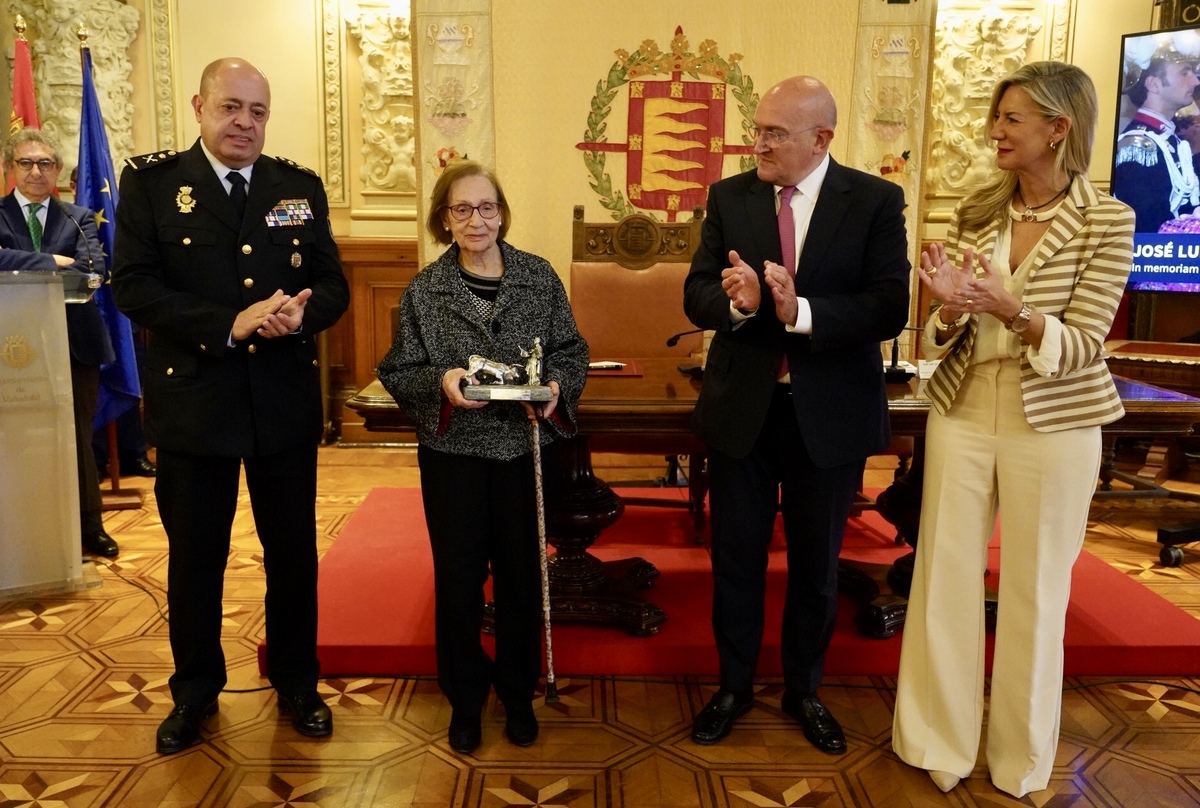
1028 282
482 297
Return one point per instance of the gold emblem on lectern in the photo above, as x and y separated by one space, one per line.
184 199
16 352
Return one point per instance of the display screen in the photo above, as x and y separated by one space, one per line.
1156 155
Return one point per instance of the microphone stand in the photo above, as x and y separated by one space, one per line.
893 373
690 368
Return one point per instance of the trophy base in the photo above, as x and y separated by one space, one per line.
507 392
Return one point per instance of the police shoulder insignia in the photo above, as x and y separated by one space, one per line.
1135 147
297 166
152 159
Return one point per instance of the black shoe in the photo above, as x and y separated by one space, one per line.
716 720
310 715
181 728
139 466
100 543
465 732
520 725
819 725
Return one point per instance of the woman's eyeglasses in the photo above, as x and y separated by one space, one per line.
460 213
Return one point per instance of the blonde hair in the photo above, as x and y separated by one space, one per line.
1056 90
454 172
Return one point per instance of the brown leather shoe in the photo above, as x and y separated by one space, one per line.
310 715
181 728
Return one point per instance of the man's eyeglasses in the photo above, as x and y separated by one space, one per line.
45 164
774 137
460 213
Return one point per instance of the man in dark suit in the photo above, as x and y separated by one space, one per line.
794 397
232 285
38 232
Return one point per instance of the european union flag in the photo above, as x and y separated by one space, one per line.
96 189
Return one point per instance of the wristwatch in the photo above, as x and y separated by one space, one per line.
1020 322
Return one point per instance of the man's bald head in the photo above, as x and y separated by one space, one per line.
796 119
232 107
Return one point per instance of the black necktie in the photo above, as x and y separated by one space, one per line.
237 194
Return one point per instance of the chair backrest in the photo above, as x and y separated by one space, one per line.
627 285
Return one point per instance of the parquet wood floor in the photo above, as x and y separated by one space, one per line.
83 687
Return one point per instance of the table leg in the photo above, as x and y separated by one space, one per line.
582 588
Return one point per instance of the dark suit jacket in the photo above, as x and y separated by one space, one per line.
88 338
853 270
184 266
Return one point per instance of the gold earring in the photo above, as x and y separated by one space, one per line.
1053 145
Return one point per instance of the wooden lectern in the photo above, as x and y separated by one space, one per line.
39 489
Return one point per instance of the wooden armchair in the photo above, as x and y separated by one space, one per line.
627 297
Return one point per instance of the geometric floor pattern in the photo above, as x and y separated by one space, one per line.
83 688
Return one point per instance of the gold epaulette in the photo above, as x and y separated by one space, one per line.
1135 147
151 159
297 166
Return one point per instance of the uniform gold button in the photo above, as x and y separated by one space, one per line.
247 249
248 283
186 241
295 242
316 363
203 347
170 371
253 348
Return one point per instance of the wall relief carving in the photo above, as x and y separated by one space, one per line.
973 51
389 131
57 73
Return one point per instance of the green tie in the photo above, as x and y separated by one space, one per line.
35 226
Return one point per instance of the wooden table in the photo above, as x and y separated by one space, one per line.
654 409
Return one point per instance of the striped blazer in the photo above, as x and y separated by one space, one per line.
1079 276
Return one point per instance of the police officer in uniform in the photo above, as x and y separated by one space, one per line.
226 258
1154 173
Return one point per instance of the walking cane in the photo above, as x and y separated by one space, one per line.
551 686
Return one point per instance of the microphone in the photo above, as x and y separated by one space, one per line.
673 340
87 243
893 373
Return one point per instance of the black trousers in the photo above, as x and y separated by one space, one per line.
745 495
481 513
197 499
85 388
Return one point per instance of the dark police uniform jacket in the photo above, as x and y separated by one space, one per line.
184 266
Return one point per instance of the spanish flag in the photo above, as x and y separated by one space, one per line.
24 105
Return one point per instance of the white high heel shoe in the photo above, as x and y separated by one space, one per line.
944 780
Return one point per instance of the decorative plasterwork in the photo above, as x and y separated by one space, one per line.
1060 30
163 73
58 74
973 51
385 61
331 83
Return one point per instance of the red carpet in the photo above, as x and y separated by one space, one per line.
376 605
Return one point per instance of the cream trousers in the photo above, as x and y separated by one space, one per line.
982 458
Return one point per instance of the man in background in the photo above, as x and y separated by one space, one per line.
38 232
225 257
1153 171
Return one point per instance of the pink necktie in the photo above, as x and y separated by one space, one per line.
787 229
787 240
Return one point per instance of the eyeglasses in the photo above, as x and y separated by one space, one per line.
460 213
774 137
45 164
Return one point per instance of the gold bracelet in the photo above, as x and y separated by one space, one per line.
942 326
